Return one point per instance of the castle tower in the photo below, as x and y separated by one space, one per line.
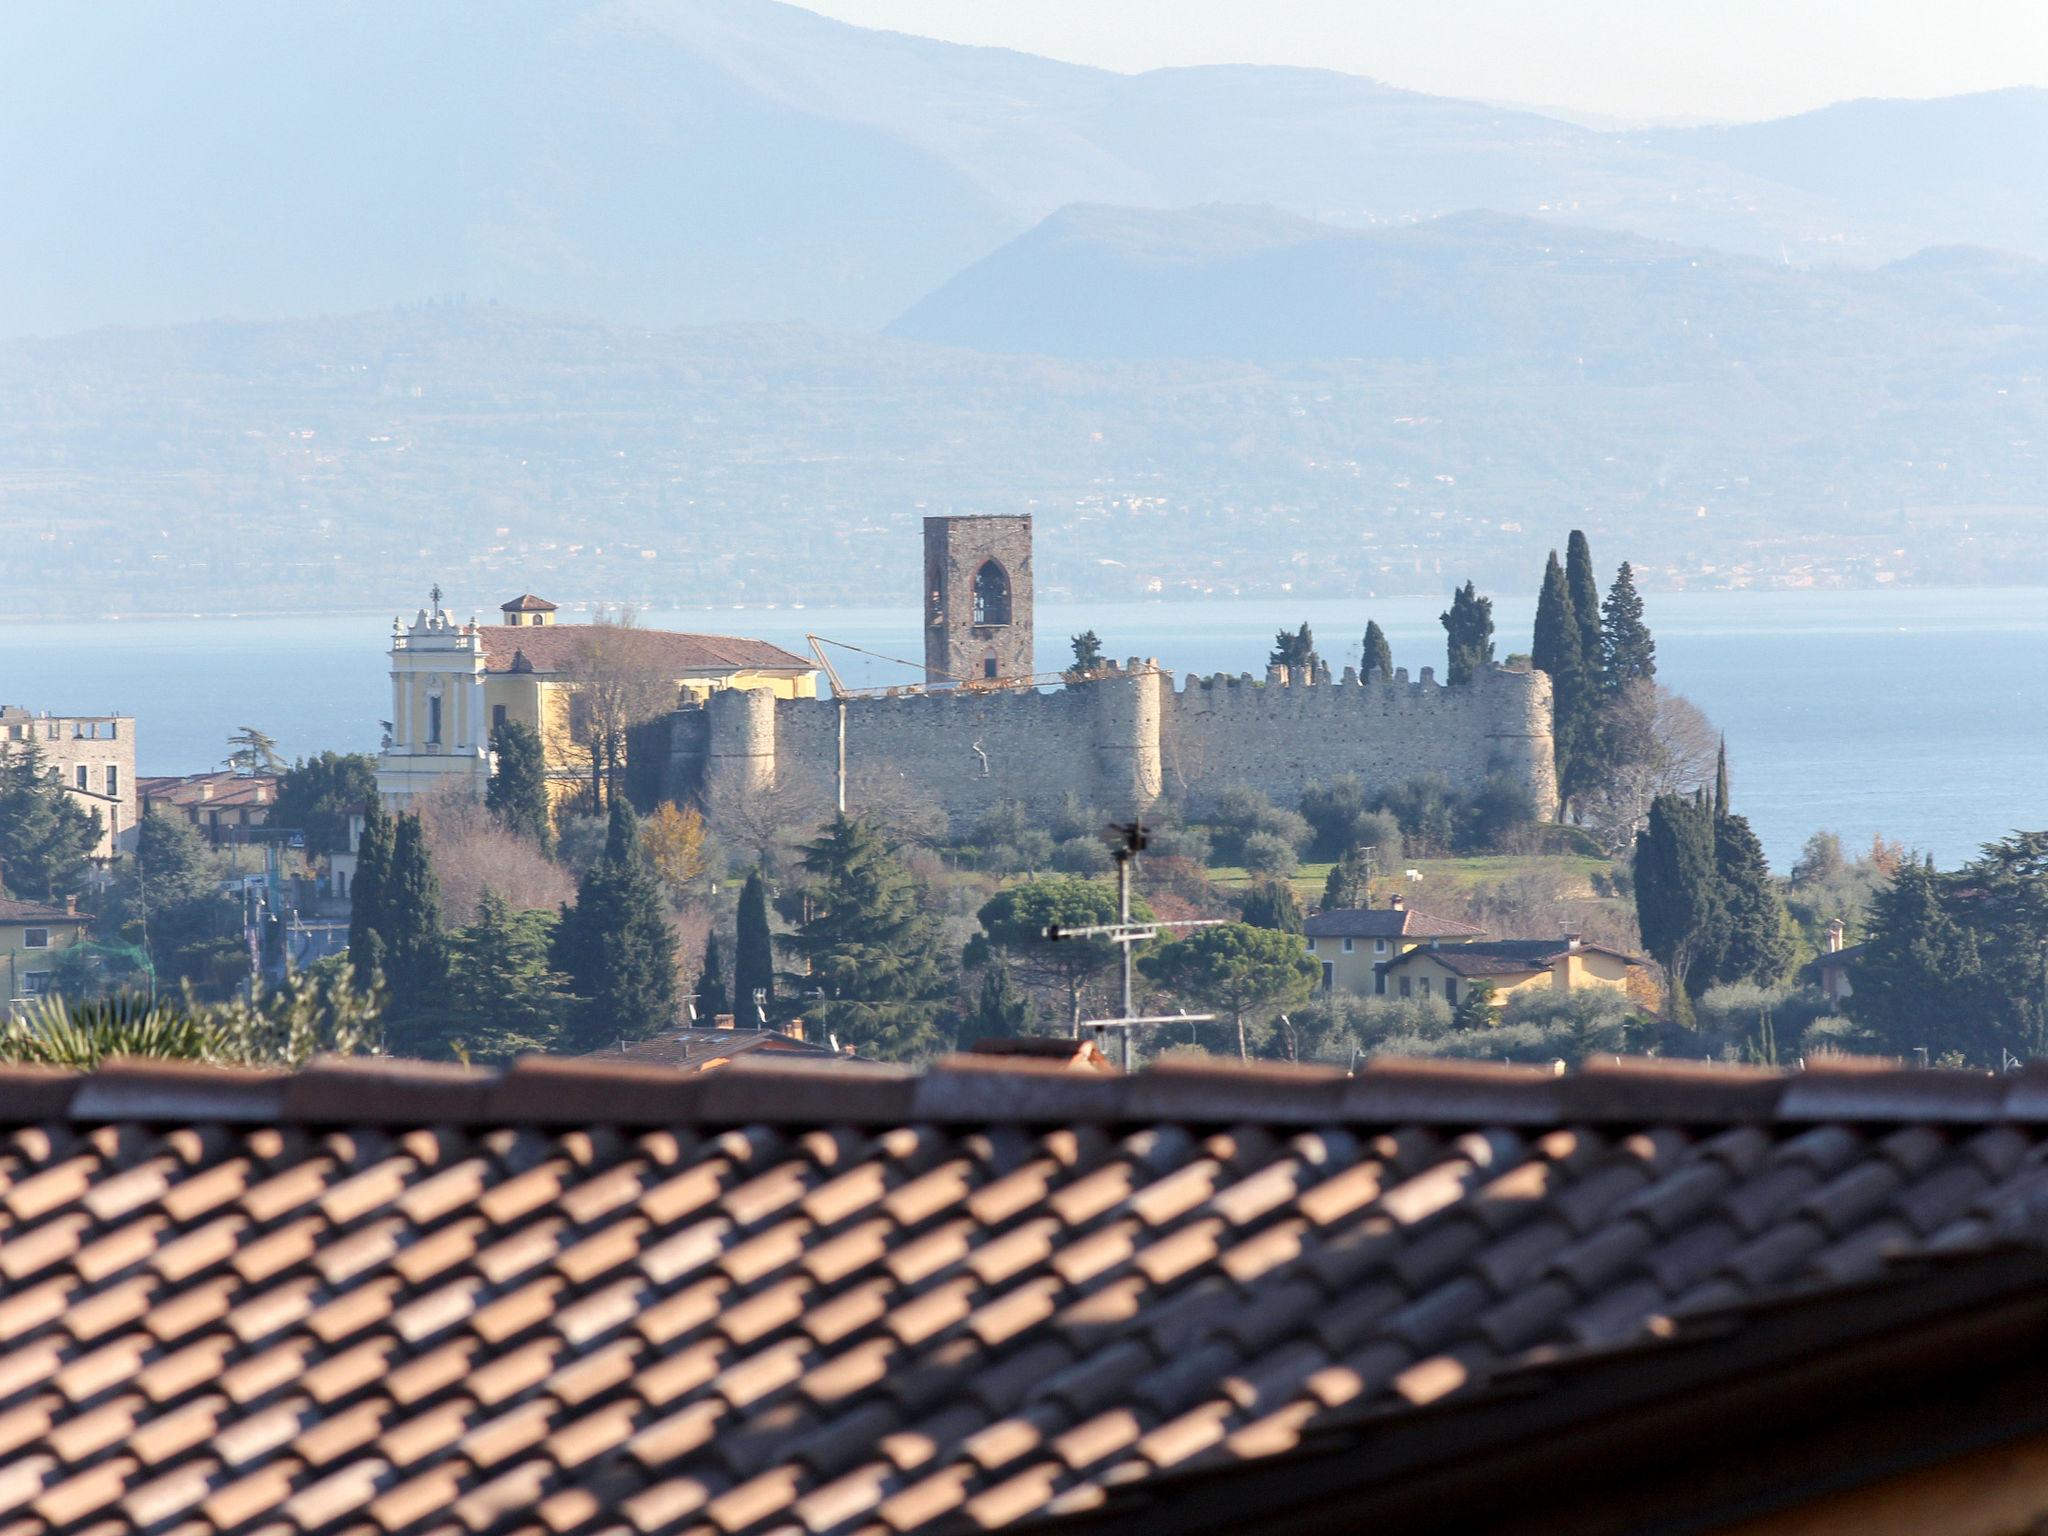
977 598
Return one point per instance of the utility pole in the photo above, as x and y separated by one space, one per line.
1126 841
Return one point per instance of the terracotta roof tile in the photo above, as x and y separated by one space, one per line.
567 1294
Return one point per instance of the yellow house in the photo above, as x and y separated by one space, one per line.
1509 965
1350 942
453 684
31 938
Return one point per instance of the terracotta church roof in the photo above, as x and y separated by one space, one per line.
526 602
558 648
572 1297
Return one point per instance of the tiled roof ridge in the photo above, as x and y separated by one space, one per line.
14 911
988 1090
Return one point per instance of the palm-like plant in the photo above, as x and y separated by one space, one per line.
53 1032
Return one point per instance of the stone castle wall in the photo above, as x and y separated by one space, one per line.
1121 741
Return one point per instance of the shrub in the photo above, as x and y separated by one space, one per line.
1183 842
1499 806
1242 813
1426 810
1334 812
1270 854
1082 856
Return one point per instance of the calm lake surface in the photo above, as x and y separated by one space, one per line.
1921 715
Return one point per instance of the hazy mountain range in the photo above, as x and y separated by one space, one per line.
683 161
693 301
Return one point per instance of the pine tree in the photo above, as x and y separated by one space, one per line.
1584 587
873 944
1627 653
415 946
615 944
1922 984
754 954
1087 652
1468 628
1678 893
1753 944
712 996
1379 656
45 835
1555 649
367 947
518 792
318 795
506 999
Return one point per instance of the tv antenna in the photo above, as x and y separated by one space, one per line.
1126 841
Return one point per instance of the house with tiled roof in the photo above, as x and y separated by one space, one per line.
455 684
32 935
573 1297
1507 966
1349 942
224 805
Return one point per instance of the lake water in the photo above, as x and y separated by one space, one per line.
1921 715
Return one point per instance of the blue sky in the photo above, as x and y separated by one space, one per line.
1635 59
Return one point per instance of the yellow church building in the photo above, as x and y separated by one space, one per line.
453 684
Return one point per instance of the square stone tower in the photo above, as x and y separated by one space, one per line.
977 599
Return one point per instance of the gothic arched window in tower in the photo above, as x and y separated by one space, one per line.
991 594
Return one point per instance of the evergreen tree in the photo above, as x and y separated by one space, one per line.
1922 983
366 920
45 835
518 793
1245 972
1555 649
1015 922
1001 1011
506 1000
712 997
318 795
1468 628
1272 905
872 942
1678 893
1379 656
415 946
1296 652
1721 782
754 955
1349 883
1753 943
615 944
1584 587
1627 653
1087 652
170 897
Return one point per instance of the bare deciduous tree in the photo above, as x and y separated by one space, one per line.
1660 743
472 850
618 680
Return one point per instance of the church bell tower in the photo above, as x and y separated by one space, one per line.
977 603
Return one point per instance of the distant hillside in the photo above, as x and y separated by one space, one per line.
1973 166
1253 283
670 161
346 462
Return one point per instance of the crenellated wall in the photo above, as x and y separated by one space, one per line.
1120 741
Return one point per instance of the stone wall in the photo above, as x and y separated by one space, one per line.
1120 741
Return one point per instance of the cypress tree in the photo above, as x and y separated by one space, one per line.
712 997
1627 653
1468 630
415 947
1296 652
873 943
1678 893
1379 656
1273 905
366 919
1555 649
1001 1011
1721 782
615 944
518 793
754 955
1584 587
